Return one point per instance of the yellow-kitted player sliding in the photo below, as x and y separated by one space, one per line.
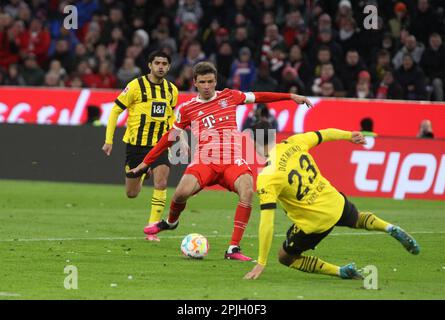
292 179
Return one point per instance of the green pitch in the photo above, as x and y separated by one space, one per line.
45 227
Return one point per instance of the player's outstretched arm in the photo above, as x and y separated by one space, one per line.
265 243
111 127
265 97
166 141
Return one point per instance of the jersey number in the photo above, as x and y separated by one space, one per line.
305 164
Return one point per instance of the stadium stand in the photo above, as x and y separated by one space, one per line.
288 45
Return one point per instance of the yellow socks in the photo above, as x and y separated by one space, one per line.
315 265
368 221
157 205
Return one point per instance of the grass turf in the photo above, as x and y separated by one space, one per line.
98 230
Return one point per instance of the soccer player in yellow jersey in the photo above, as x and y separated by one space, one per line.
150 101
292 179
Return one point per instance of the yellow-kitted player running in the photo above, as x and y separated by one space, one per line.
150 101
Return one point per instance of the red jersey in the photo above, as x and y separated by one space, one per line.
213 123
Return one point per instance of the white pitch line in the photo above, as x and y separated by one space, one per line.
208 236
8 294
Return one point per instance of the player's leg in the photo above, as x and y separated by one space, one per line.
243 186
193 180
159 197
297 242
369 221
134 156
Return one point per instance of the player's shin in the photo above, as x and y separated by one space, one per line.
369 221
315 265
175 211
242 216
157 205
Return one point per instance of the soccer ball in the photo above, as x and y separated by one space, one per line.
195 246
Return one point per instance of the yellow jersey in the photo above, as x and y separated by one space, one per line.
150 111
293 180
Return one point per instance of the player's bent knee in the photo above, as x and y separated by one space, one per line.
160 185
286 259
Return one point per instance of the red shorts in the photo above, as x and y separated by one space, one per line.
223 174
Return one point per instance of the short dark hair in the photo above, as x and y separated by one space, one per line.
203 68
366 124
159 54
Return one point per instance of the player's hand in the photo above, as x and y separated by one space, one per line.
138 171
301 100
107 148
358 138
255 273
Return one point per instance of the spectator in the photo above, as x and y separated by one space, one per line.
327 74
56 67
127 72
290 82
426 130
412 79
389 88
223 60
10 33
241 39
272 40
63 54
243 71
298 61
293 25
413 48
115 19
117 46
362 89
349 36
260 113
400 20
325 38
264 82
327 90
32 73
379 69
194 54
425 21
323 56
36 40
433 65
349 72
52 79
188 11
13 77
184 82
74 82
213 36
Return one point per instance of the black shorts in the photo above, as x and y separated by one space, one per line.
297 241
136 154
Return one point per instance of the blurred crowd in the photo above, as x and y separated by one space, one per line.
309 47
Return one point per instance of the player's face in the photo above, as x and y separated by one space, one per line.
206 85
159 67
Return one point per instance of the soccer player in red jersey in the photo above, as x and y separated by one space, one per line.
213 114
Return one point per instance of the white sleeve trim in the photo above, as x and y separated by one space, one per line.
177 128
250 97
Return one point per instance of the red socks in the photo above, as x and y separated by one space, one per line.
175 211
242 216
